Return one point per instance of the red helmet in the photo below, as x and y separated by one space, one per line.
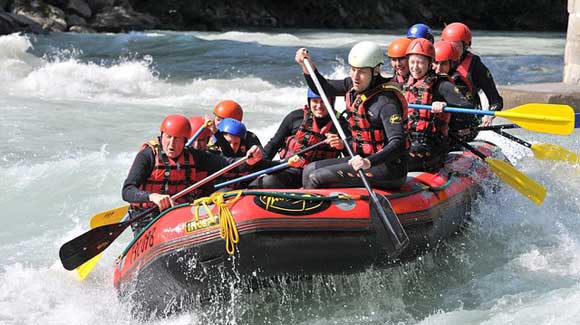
456 32
196 123
398 47
176 125
421 46
229 108
445 51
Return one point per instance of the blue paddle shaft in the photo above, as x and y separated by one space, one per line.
194 137
455 110
252 175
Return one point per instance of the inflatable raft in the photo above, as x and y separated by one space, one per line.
190 251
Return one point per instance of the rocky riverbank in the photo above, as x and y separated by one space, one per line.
126 15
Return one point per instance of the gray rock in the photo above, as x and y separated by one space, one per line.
10 23
79 7
81 29
98 5
120 19
49 17
73 20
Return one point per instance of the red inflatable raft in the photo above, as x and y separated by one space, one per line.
181 257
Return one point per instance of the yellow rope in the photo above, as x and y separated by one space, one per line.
228 229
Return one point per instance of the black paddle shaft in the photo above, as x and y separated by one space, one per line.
513 138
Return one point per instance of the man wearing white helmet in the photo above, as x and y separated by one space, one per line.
377 115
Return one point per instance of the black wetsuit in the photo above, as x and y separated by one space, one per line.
289 177
388 166
480 78
143 167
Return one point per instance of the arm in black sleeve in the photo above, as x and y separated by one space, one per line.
138 174
285 130
387 109
253 140
447 92
483 79
224 145
330 87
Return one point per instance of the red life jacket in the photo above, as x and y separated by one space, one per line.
309 133
424 123
169 176
368 139
462 78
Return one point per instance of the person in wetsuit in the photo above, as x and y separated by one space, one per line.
300 129
470 75
165 166
376 113
429 129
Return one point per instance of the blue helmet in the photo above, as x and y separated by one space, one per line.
420 31
312 94
234 127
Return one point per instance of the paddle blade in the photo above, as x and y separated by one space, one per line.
518 180
84 270
547 118
81 249
382 214
547 151
109 217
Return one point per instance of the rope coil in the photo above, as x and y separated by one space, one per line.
228 230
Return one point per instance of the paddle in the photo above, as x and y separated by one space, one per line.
270 169
390 232
90 244
513 126
545 151
547 118
509 174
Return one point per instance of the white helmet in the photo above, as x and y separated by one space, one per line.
365 54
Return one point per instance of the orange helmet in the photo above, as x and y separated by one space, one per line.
445 51
196 123
398 47
176 125
457 32
229 108
421 46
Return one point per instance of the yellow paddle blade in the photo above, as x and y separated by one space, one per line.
109 217
548 151
84 270
518 180
547 118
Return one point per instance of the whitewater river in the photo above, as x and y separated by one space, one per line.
74 109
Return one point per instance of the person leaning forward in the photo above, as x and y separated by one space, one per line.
377 114
165 166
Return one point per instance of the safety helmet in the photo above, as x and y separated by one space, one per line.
196 123
457 32
365 54
445 51
311 94
229 108
421 46
420 31
398 47
233 127
176 125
